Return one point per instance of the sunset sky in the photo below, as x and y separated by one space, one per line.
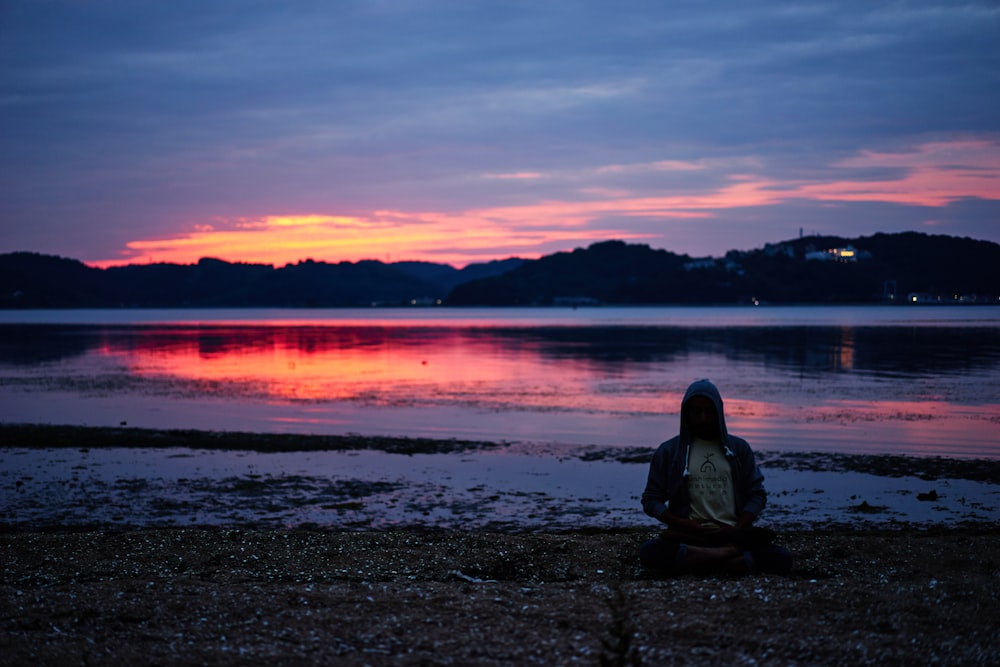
458 131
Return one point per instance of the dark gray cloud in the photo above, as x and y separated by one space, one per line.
123 119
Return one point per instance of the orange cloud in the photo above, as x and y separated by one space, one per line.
933 175
398 235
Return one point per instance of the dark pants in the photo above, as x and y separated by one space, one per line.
666 552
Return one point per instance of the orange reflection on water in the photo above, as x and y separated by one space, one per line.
380 366
845 351
302 364
514 372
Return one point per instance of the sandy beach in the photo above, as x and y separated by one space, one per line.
122 593
228 597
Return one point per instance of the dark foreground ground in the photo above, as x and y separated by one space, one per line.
411 597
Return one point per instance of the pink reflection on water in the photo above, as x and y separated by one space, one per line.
378 366
289 363
934 427
482 383
920 428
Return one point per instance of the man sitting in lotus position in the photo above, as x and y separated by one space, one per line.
704 484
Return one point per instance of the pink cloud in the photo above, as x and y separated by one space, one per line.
935 174
517 176
932 175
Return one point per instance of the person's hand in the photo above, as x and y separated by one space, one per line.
677 523
721 533
723 529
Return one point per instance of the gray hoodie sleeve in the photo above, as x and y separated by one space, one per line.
753 497
656 494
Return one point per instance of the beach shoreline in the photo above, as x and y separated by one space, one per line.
76 436
128 478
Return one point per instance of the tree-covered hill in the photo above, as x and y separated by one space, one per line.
906 266
871 269
29 280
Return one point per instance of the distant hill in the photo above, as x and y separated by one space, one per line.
879 268
29 280
884 267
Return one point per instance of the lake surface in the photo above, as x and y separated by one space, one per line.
902 380
919 381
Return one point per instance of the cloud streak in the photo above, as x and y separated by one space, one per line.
934 176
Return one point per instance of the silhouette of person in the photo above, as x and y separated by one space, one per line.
704 484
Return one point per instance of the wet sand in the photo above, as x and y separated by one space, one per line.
127 477
59 436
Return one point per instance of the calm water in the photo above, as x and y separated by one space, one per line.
907 380
918 381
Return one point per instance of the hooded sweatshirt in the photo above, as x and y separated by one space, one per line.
666 486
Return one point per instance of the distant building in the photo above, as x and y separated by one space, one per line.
920 297
845 254
707 263
422 302
924 298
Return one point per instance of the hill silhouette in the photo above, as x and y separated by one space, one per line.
30 280
896 267
883 267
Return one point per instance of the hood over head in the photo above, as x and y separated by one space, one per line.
707 389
